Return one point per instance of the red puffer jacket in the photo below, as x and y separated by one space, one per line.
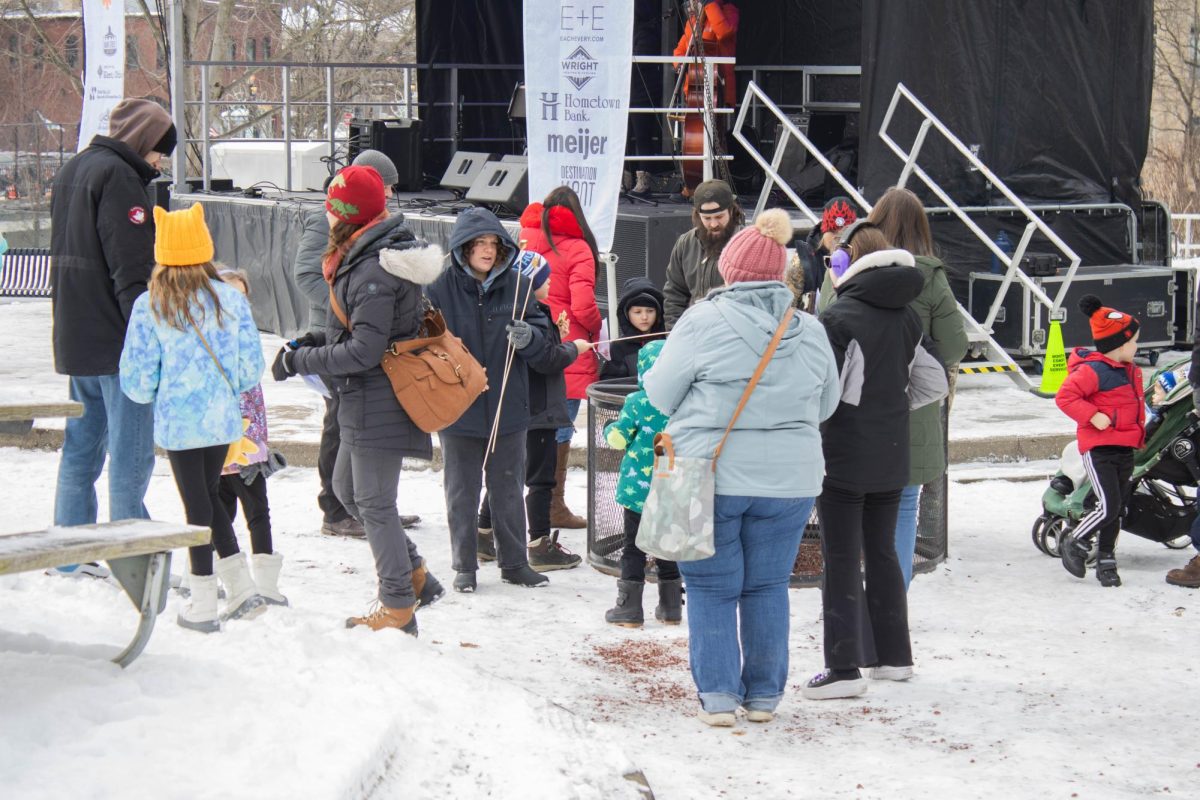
1099 384
572 286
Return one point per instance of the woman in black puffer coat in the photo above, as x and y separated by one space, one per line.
376 269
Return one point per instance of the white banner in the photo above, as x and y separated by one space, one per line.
104 65
577 62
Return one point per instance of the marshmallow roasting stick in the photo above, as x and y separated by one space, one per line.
631 338
507 368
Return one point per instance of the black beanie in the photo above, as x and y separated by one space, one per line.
166 145
643 300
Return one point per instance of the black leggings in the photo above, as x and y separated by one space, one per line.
198 477
254 507
633 560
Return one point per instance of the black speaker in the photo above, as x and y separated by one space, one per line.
398 139
464 168
643 240
794 157
502 183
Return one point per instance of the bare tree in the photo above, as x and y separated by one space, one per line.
1172 172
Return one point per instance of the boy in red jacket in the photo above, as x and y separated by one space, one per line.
1104 395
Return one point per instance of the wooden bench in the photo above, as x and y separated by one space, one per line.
25 272
17 418
138 552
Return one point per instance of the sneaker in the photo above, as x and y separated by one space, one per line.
485 545
348 527
89 570
1188 576
832 684
523 576
1074 554
464 582
1106 570
410 520
547 555
886 673
758 715
717 719
382 617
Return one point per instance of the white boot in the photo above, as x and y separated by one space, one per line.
243 600
200 613
266 568
642 186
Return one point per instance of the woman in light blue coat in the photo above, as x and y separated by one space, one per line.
191 349
770 469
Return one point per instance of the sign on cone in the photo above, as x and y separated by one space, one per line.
1054 371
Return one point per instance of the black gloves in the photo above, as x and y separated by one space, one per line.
519 334
281 367
308 340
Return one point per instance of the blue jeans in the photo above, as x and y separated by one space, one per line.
756 543
564 434
906 530
111 425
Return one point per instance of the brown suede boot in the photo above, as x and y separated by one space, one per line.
560 515
1189 576
384 617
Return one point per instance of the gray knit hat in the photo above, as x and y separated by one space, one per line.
381 164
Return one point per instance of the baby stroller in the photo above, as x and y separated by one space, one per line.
1166 473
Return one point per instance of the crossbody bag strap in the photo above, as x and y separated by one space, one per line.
337 310
213 356
758 373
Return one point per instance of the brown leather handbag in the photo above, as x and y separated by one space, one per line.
434 376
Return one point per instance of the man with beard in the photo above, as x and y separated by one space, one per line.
692 270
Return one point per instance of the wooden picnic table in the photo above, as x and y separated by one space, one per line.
27 412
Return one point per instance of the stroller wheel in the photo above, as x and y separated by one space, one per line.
1052 534
1180 542
1039 533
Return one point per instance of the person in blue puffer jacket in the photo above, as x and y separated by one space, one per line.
191 349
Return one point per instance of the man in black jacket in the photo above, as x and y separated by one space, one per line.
102 253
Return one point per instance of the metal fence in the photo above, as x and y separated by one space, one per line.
1187 235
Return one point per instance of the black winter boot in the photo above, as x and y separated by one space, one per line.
628 611
670 602
1074 555
1106 570
523 576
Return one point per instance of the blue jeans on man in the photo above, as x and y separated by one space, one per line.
112 425
756 539
565 433
906 530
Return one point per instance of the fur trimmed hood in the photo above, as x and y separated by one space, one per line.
885 279
880 258
421 263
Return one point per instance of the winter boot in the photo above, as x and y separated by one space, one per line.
464 582
560 515
410 520
546 555
628 611
1189 576
1074 556
383 617
200 614
670 602
242 599
642 187
348 527
523 576
426 588
266 568
485 545
1106 570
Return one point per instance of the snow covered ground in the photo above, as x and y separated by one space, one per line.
1029 683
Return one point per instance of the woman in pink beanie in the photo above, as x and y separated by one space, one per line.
769 472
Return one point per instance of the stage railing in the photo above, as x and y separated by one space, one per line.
1187 235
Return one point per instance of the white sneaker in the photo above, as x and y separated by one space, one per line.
885 673
757 715
717 719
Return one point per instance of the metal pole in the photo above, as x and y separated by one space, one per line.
610 282
329 122
204 123
408 92
178 97
454 105
709 122
287 127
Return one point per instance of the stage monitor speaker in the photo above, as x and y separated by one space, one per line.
512 158
464 169
502 183
398 139
642 240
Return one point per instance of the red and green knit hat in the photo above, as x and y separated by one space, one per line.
355 195
1110 328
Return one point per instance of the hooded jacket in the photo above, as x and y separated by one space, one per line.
572 285
547 386
705 365
1098 384
306 268
874 335
634 431
378 287
478 312
101 251
623 362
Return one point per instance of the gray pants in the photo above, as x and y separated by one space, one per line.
463 480
366 481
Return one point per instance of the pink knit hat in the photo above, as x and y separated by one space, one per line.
759 252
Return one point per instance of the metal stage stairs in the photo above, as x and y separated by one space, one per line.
987 356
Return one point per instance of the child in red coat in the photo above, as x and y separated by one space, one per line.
1104 395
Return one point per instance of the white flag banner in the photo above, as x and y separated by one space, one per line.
104 65
577 62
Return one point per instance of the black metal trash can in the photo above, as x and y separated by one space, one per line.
606 531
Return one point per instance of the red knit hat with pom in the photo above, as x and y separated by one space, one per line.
355 195
758 252
1110 328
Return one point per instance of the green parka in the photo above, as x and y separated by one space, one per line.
634 432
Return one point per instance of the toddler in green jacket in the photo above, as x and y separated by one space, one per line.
634 432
